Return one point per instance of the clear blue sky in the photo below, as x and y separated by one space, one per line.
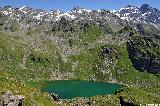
69 4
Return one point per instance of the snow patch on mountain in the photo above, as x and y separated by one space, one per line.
66 15
144 13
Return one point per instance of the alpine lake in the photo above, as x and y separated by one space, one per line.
69 89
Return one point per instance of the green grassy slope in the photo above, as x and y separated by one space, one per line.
21 62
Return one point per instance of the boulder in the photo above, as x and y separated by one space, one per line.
8 99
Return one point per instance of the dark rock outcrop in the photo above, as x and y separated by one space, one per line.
144 53
55 97
123 103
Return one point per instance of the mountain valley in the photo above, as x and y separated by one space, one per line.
95 45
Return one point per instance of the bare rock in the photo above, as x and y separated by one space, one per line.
8 99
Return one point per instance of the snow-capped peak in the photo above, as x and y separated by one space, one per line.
25 9
143 13
66 15
113 11
55 12
79 10
21 8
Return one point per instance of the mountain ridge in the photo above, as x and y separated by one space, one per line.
143 9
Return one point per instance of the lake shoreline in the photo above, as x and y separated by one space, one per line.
67 89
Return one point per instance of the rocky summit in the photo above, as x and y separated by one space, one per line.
120 46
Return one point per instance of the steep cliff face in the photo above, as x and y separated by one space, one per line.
144 47
144 53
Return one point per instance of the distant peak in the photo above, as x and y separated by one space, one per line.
145 7
7 7
80 10
24 7
130 6
113 11
77 8
21 8
58 12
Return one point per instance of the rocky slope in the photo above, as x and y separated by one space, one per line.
100 45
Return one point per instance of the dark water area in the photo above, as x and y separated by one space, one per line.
68 89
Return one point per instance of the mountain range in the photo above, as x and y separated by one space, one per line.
144 13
